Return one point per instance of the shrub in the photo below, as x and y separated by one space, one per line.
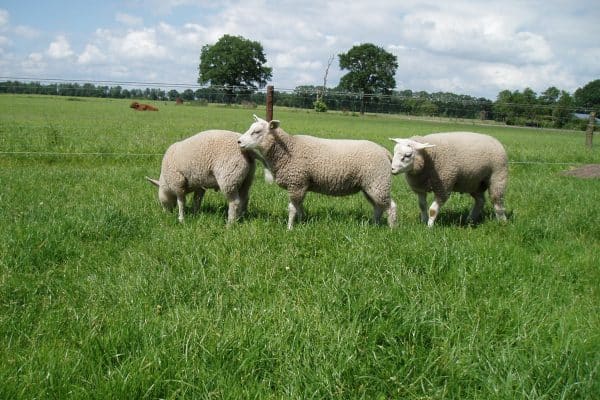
320 106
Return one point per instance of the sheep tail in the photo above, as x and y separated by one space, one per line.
153 181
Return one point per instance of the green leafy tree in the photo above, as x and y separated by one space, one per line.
371 70
549 96
115 92
188 95
173 94
562 111
589 95
503 109
529 110
235 63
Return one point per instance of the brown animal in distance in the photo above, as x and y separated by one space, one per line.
142 107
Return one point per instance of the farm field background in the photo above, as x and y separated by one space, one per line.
104 295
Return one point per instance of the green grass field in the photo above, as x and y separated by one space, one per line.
105 296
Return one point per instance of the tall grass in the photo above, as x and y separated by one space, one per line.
104 295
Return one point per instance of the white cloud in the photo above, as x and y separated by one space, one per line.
60 48
189 36
511 77
139 44
296 58
34 63
476 48
91 55
129 20
485 38
26 32
4 16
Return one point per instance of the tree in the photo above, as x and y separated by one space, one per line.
561 111
589 95
188 95
319 104
372 70
115 92
235 63
173 94
503 107
549 96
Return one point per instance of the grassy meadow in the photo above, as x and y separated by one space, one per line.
103 295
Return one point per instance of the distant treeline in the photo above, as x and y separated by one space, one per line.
553 108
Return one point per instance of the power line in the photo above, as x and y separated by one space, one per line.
128 83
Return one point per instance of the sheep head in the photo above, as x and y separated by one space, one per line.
257 132
405 152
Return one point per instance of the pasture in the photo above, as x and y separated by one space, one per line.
105 295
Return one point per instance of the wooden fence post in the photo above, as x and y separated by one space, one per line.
270 103
589 133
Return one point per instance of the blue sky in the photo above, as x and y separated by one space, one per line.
466 47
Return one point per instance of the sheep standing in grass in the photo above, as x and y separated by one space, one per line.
207 160
463 162
335 167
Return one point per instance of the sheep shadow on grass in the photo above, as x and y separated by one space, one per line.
459 218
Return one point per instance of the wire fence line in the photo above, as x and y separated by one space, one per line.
446 105
105 154
50 153
310 93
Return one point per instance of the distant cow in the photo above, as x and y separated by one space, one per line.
142 107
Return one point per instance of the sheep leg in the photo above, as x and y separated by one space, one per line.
244 191
235 203
423 206
392 214
198 196
477 207
295 207
380 204
496 191
244 198
377 208
434 210
181 206
499 208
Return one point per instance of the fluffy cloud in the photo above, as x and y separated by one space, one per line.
3 18
129 20
34 63
60 48
486 38
139 44
91 55
476 48
26 32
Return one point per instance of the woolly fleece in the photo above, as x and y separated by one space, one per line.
464 162
336 167
208 160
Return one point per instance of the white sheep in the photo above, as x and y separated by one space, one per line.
208 160
442 163
303 163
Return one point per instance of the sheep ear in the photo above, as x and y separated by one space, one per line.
256 119
274 124
397 140
421 146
